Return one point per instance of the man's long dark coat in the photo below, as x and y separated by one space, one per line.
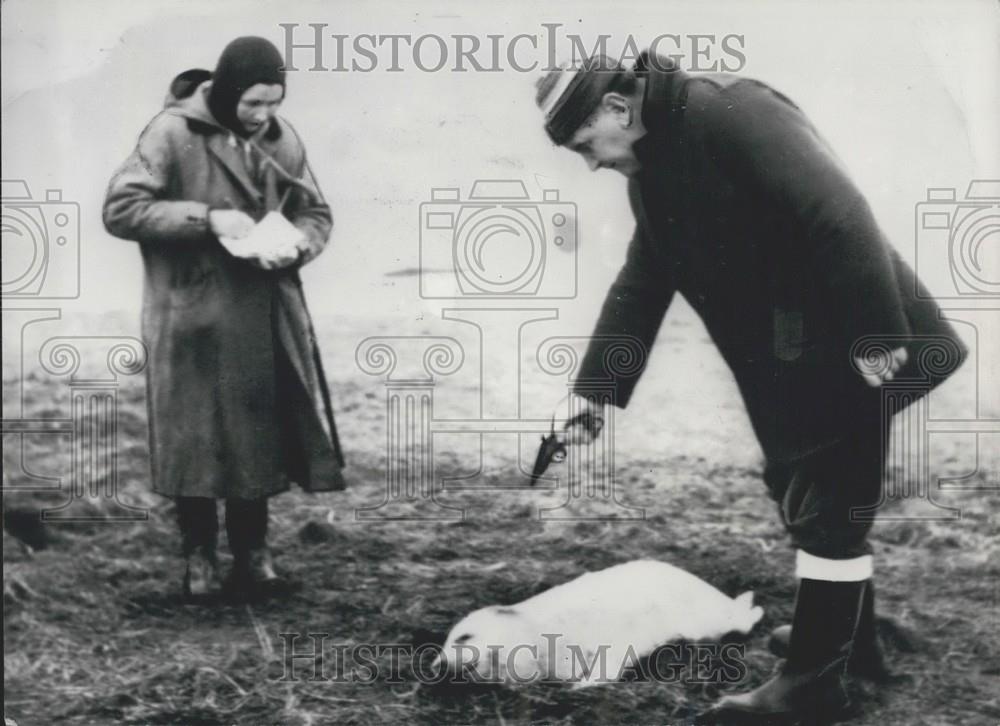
744 210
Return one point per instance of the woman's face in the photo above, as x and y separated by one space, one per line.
258 105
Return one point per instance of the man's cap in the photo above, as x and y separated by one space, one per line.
568 96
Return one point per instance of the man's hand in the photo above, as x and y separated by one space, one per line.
230 223
585 421
877 372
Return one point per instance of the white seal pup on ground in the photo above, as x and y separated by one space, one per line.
585 631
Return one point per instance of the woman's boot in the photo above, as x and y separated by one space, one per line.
199 526
253 575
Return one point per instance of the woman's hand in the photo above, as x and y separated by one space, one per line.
276 260
230 223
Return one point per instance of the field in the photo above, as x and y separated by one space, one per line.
95 632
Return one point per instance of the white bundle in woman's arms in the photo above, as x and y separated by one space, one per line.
272 240
608 617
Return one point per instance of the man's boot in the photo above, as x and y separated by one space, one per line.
809 686
867 658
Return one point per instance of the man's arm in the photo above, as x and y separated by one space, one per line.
767 144
632 314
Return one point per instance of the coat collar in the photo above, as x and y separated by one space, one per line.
221 142
663 104
226 149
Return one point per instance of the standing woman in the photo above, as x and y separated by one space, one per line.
238 403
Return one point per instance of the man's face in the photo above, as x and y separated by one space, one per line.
605 140
258 105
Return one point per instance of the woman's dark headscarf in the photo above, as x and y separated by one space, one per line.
244 63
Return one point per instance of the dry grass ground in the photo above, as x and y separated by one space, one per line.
96 634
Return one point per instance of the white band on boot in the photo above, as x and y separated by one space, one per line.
812 567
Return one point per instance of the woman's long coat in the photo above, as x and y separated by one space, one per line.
238 404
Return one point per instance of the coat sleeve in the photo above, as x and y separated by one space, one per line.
137 205
628 324
766 143
306 208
